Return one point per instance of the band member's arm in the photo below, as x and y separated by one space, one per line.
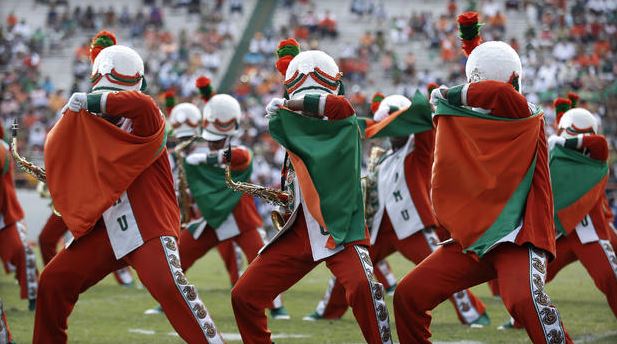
322 105
500 98
240 158
595 145
139 107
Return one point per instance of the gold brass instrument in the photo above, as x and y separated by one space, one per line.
184 199
27 166
182 145
369 185
42 189
270 195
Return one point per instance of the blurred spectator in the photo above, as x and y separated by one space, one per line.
362 7
327 25
236 6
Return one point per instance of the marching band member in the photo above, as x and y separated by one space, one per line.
403 220
186 122
110 178
14 249
319 129
491 190
579 172
227 216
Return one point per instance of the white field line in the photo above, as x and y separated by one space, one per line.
226 336
590 338
142 331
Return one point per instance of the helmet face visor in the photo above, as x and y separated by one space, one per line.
577 121
221 117
312 71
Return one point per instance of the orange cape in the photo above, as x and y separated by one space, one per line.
478 165
90 163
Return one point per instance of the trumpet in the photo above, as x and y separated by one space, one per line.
27 166
270 195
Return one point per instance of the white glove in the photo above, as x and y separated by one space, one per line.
436 95
555 140
381 114
78 101
196 158
218 156
274 105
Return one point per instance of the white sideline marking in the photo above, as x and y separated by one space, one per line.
141 331
226 336
594 338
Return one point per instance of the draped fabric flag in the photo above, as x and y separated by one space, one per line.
578 183
326 156
214 199
403 122
91 162
482 174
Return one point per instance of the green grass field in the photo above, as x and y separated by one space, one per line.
108 313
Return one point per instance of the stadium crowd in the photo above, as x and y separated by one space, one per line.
567 46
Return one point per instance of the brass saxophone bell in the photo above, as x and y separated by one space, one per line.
277 220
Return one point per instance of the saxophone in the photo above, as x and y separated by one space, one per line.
369 185
29 167
270 195
184 199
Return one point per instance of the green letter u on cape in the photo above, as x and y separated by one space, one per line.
578 182
482 173
404 122
326 156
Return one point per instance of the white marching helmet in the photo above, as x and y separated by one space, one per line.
118 67
221 117
312 71
393 101
494 60
184 119
577 121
